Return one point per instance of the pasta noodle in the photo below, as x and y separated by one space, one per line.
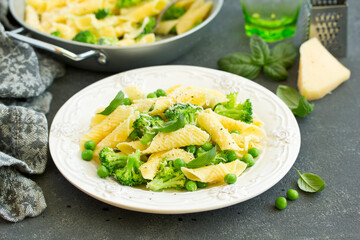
215 173
189 135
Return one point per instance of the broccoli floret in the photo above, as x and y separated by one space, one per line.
107 41
130 175
112 160
127 3
173 12
85 37
148 28
231 109
144 127
102 13
189 111
167 177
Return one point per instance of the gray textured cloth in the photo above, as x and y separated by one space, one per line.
24 78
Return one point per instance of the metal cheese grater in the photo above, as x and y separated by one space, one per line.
327 21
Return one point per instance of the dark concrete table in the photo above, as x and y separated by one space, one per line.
330 148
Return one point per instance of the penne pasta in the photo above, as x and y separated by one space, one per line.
189 135
214 173
217 131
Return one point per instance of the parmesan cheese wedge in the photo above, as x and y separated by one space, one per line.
319 71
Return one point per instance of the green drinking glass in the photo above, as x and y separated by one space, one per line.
272 20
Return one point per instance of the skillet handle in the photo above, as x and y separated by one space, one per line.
101 58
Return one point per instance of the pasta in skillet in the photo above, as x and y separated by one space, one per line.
114 22
184 137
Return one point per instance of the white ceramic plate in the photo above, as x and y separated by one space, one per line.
73 119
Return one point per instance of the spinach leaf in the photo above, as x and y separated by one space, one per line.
172 126
203 160
293 99
259 49
309 182
285 53
240 64
276 71
117 101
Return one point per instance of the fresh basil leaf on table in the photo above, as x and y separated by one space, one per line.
309 182
259 49
203 160
276 71
293 99
285 53
117 101
274 61
240 64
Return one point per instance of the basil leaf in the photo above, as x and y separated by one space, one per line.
304 108
172 126
117 101
240 64
289 95
276 71
284 53
309 182
259 49
293 99
203 160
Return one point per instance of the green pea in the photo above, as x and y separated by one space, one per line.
87 154
191 186
235 131
254 152
231 156
127 101
199 151
151 108
230 178
90 145
133 135
191 149
292 194
102 171
151 95
179 163
160 93
207 146
280 203
248 159
201 184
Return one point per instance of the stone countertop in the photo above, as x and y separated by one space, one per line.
330 148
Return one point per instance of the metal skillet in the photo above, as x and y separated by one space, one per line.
110 58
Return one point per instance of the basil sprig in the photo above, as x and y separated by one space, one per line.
274 62
117 101
309 182
293 99
172 126
203 160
